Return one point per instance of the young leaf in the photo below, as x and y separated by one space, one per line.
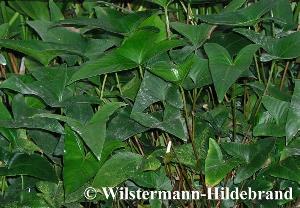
223 69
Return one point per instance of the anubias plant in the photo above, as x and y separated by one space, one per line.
93 91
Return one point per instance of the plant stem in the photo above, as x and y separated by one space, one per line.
284 74
187 123
13 18
141 72
266 89
103 86
257 69
167 22
118 84
233 111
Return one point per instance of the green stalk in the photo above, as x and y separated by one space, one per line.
167 22
118 84
266 89
187 123
233 111
141 72
257 69
13 18
103 86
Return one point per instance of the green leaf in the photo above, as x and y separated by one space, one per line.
148 93
259 157
122 127
174 124
23 118
49 33
110 20
277 108
172 72
50 87
292 149
293 119
4 28
43 52
196 34
216 168
32 165
243 17
162 3
267 126
283 11
153 179
288 169
78 167
55 12
117 169
233 5
93 132
109 63
145 44
279 48
32 8
199 75
223 69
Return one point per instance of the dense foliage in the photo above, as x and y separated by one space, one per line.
93 91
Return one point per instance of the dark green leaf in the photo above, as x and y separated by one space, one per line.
244 17
224 70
